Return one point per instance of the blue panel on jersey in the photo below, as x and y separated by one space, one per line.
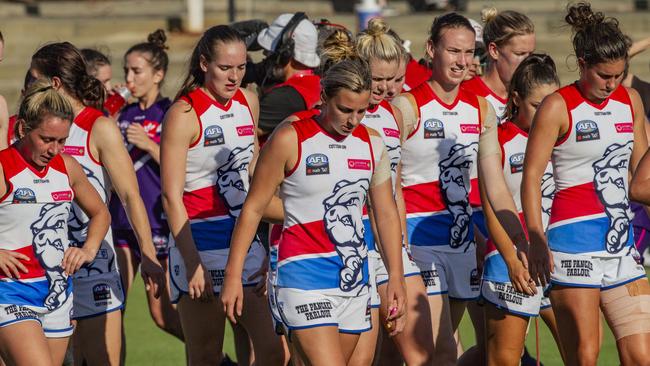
369 236
478 218
582 237
211 235
24 293
314 273
495 269
434 230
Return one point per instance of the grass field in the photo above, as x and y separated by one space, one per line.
147 345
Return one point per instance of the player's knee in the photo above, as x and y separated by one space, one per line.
445 352
366 358
415 357
504 356
587 355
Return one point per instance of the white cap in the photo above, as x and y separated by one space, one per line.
305 38
478 28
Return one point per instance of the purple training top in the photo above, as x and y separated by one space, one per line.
640 217
146 169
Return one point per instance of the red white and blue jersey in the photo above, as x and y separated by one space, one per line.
477 86
437 158
591 211
513 141
322 244
33 221
217 180
381 118
78 146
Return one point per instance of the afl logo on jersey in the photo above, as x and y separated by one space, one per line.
434 129
517 163
317 164
587 130
213 135
24 195
101 292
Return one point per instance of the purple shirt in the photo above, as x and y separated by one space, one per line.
146 169
640 217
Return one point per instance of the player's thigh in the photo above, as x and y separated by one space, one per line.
505 336
203 327
414 343
319 346
24 343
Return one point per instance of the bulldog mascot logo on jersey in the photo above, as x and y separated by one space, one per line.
49 247
548 193
455 185
344 227
609 181
231 186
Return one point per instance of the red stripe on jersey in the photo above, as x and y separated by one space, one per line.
204 203
87 117
474 194
425 197
34 269
309 113
576 201
301 239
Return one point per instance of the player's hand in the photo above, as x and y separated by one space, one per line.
74 258
199 283
520 277
153 274
10 263
540 262
232 297
396 305
137 136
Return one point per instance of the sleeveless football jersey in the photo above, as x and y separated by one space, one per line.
217 180
513 142
437 159
33 221
382 120
591 211
78 146
322 243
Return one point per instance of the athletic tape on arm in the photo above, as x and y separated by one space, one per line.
382 165
488 144
409 112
